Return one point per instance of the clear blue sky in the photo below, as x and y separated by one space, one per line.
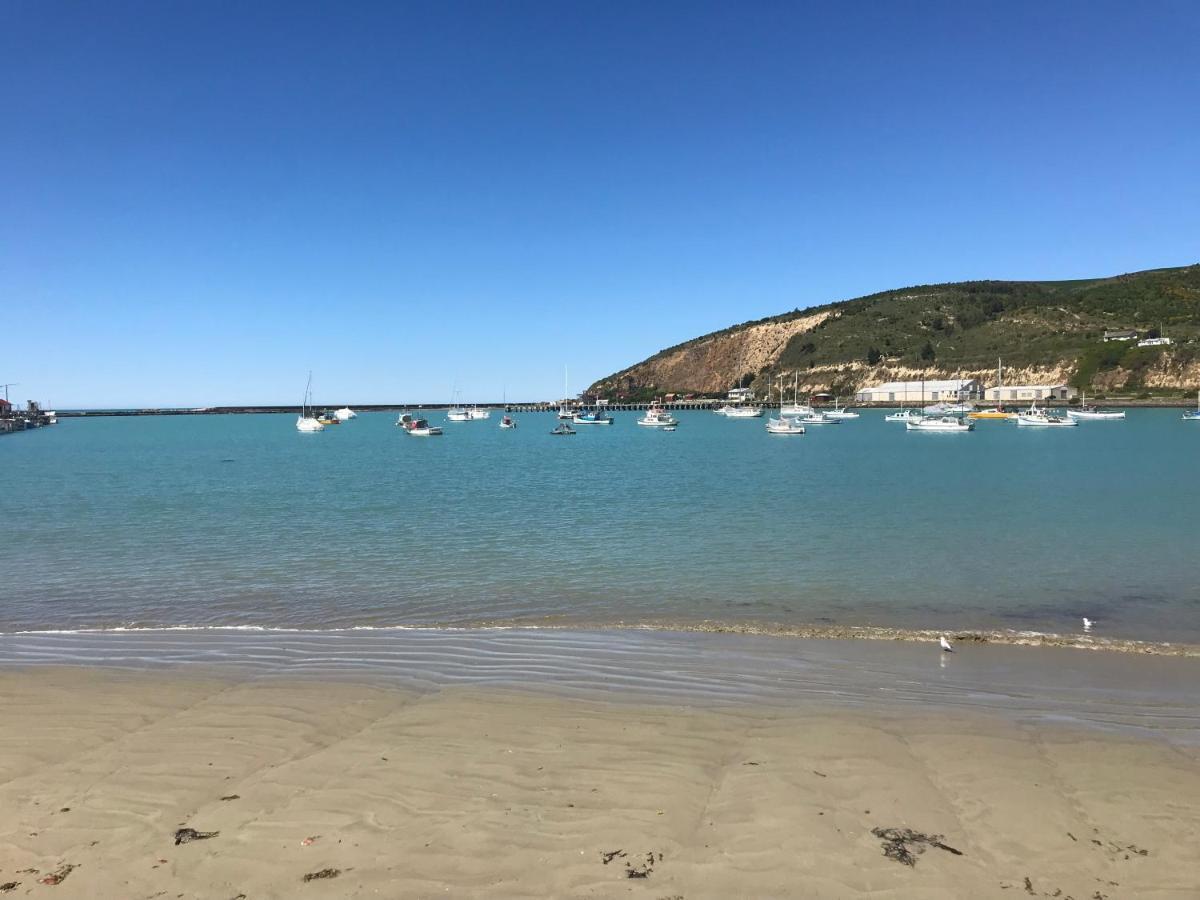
201 201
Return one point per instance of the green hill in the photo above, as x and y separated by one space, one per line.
1048 328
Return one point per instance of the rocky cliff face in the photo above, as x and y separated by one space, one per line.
713 364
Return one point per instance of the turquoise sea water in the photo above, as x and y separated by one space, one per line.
240 520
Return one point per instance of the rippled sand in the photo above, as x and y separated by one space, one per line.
476 792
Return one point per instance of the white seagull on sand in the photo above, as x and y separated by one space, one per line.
946 644
1087 624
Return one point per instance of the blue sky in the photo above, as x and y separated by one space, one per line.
201 201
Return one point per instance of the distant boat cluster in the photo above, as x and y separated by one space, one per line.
793 418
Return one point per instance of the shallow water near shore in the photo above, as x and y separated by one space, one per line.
240 520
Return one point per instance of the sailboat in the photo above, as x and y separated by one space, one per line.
305 421
840 412
457 412
564 407
345 414
784 424
1093 412
1193 416
999 412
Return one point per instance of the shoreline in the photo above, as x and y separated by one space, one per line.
1132 693
352 790
999 637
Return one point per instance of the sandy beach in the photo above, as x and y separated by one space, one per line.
375 791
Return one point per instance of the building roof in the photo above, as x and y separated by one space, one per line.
1028 387
899 386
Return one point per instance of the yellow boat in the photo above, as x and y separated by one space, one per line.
327 419
991 414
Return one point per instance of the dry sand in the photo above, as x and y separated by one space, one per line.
485 793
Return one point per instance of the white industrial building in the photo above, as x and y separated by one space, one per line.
955 389
1012 392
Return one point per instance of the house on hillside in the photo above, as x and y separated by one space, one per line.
956 389
1125 335
1031 392
1155 342
740 395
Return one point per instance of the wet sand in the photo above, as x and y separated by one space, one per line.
477 791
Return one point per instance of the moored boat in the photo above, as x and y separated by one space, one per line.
1193 415
306 422
657 417
1039 418
417 427
345 414
940 424
1086 412
592 417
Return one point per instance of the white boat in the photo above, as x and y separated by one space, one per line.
942 424
743 412
562 428
818 418
594 417
1041 419
1086 412
905 415
508 422
657 417
840 412
457 414
475 413
345 414
784 424
306 421
417 427
1191 416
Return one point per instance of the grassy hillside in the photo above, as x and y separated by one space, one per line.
965 326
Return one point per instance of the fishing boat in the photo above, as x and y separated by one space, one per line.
657 417
1088 413
940 424
475 414
562 428
508 422
784 424
592 417
1041 419
328 418
457 412
818 418
905 414
345 414
306 422
1193 416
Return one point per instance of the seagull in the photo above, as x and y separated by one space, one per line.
1087 624
946 644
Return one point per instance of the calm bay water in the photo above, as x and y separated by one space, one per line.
240 520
